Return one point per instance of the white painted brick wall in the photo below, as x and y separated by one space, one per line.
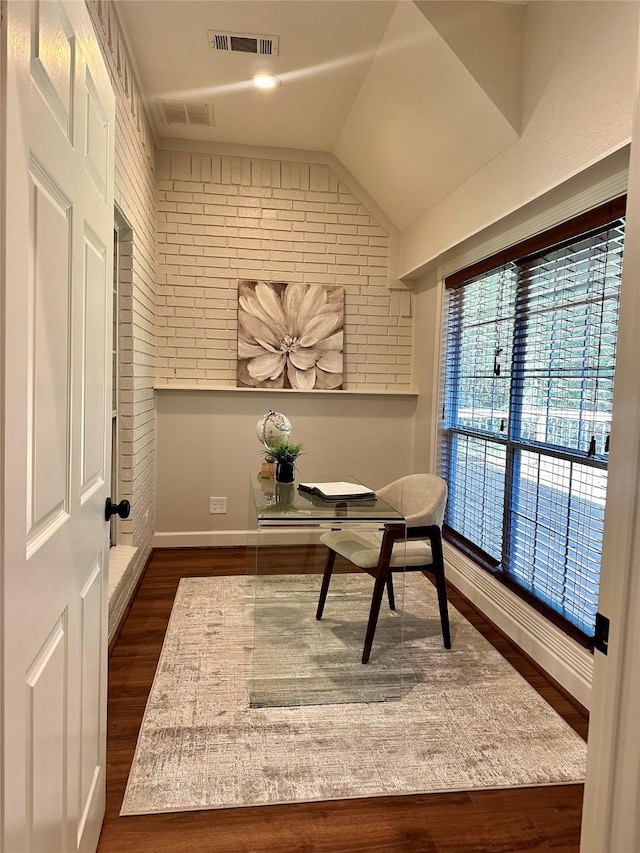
135 194
223 218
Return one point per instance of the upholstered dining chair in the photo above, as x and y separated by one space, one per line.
421 498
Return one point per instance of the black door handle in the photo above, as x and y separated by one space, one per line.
122 509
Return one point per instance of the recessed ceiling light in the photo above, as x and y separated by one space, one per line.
265 81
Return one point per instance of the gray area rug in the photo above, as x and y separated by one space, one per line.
463 719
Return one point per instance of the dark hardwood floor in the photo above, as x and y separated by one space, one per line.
499 821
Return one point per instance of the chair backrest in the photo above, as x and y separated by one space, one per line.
421 498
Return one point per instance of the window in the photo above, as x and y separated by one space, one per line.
531 338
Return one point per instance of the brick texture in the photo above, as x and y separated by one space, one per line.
224 218
135 196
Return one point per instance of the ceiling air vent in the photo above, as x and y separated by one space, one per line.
260 45
186 112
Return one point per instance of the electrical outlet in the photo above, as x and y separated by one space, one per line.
217 505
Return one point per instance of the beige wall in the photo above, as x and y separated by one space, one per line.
428 323
578 90
207 447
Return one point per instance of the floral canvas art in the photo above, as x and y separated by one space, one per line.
290 335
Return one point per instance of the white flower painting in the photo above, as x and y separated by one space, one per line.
290 335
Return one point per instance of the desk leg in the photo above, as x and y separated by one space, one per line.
326 580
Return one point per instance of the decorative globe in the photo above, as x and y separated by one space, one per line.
273 427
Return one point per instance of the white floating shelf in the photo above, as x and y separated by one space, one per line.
341 393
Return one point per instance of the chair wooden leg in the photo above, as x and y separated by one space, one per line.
376 601
392 533
441 588
326 580
390 595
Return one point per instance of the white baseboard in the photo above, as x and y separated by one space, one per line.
559 655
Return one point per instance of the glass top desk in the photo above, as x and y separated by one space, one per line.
297 659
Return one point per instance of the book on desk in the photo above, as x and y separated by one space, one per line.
339 491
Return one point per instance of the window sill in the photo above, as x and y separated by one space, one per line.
120 558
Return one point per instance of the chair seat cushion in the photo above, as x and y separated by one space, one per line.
362 547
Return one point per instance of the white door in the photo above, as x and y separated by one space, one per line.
610 815
57 229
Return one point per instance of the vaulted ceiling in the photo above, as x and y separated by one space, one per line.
412 97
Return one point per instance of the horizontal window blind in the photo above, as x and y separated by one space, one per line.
565 335
529 370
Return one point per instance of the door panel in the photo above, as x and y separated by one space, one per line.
57 272
53 60
50 357
46 722
91 684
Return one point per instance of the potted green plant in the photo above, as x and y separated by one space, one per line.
285 453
